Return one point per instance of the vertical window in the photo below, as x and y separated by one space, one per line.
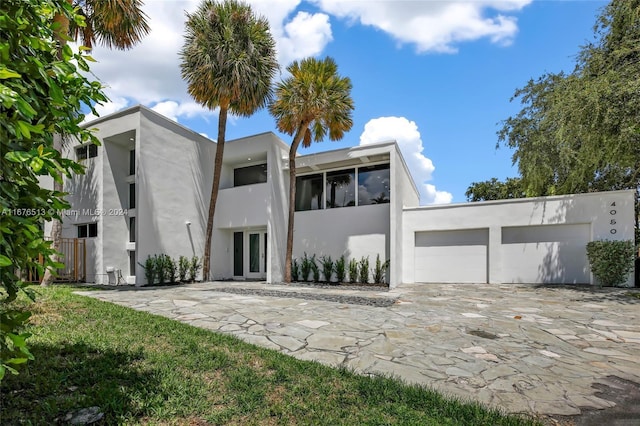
374 185
132 229
92 150
132 162
132 195
250 175
309 192
132 263
341 188
82 231
81 153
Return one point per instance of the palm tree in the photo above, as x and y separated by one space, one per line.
228 61
310 103
116 24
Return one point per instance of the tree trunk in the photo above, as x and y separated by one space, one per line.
217 170
56 224
292 200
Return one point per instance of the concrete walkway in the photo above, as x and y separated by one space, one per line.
524 348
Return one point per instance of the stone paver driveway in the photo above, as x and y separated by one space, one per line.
520 347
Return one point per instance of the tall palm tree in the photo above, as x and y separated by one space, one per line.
310 103
118 24
228 61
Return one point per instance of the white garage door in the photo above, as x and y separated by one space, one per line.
458 256
545 254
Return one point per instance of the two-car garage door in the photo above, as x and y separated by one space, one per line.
527 254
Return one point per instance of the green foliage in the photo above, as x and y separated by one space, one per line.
161 268
363 270
580 132
340 269
494 189
13 345
380 270
295 270
611 261
183 268
41 95
327 267
194 268
305 267
150 269
353 271
315 271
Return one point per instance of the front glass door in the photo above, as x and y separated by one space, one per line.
257 248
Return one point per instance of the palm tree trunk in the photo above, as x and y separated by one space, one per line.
292 199
56 224
217 171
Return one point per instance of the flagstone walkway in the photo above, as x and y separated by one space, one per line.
524 348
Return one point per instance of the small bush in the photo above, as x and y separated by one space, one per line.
363 272
353 271
305 267
327 267
340 269
315 271
380 270
194 267
149 267
172 268
611 261
295 270
161 268
183 268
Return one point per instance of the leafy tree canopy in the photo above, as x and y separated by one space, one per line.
580 132
494 189
41 95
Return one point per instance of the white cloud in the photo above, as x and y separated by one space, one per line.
149 73
435 26
115 104
406 134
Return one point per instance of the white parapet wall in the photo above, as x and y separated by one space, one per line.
530 240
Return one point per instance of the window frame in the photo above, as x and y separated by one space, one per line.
261 164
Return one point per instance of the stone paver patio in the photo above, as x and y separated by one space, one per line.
524 348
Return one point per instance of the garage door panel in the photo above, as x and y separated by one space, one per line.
453 264
529 257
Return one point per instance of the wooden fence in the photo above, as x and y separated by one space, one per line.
74 258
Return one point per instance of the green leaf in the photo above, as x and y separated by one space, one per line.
5 261
36 164
7 73
17 156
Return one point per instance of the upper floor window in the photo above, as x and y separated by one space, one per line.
309 192
250 175
87 230
132 195
132 162
86 151
341 188
373 184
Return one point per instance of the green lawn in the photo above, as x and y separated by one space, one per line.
144 369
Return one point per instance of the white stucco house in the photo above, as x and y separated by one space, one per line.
147 188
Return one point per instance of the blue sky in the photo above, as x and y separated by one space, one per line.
435 75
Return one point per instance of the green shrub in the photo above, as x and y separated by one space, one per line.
380 270
295 270
363 272
172 268
183 268
340 269
194 267
149 267
353 271
315 271
327 267
305 267
611 261
161 268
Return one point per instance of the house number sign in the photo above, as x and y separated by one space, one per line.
612 217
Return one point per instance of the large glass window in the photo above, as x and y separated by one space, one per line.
250 175
341 188
374 185
309 192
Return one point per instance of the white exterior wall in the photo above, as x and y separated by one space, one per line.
173 182
557 253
